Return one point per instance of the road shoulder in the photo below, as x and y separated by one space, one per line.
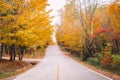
103 72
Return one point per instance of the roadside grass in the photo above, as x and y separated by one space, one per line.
113 71
95 61
11 68
7 74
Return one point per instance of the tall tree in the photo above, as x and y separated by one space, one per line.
23 24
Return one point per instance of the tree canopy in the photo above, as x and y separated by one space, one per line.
24 23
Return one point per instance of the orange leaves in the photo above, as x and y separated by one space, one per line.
114 12
114 9
106 60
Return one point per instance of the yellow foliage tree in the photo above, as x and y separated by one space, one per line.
24 23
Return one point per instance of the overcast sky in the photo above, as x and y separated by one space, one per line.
56 5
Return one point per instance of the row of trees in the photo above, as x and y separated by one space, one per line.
89 27
23 24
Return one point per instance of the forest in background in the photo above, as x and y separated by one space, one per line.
90 29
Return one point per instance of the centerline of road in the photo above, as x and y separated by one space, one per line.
58 78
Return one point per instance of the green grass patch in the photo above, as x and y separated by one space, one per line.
6 74
10 68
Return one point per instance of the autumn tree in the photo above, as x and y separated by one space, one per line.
87 17
114 12
24 24
68 33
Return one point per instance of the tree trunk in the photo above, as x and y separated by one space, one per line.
84 53
6 49
84 46
21 53
1 52
12 52
117 46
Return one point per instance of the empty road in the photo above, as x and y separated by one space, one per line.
57 66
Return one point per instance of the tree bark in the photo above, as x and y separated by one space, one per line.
22 48
12 52
6 49
1 52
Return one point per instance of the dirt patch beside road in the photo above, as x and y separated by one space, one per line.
9 69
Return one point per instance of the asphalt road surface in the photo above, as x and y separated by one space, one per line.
57 66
